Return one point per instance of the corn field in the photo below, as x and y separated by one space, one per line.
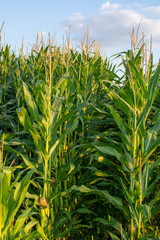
79 143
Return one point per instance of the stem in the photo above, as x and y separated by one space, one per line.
46 166
45 211
134 151
140 184
132 229
2 152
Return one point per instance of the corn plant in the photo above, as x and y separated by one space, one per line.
89 137
12 196
138 140
42 122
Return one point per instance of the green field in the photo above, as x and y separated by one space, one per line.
80 142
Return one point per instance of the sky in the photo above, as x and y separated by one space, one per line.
110 22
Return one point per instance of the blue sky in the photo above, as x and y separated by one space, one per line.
110 22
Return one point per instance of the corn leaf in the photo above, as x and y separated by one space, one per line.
16 199
152 90
25 121
31 104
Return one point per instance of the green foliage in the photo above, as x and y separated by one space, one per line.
11 197
79 145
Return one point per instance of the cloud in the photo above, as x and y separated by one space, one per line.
108 7
113 25
76 21
155 11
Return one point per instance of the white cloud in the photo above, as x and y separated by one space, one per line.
155 11
108 6
114 24
76 21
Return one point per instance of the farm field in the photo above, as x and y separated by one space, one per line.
80 143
